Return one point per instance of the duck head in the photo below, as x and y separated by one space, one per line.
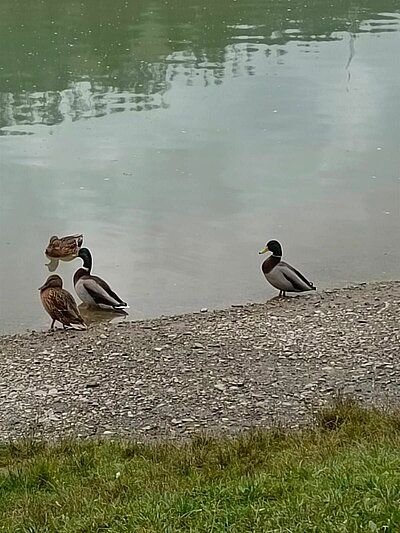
86 256
274 247
53 281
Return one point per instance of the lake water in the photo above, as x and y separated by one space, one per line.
179 137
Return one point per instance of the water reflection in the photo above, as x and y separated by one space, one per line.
96 58
98 316
223 123
53 263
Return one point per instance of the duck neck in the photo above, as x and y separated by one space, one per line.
270 263
79 273
87 264
84 270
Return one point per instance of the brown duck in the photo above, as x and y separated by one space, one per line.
59 303
60 247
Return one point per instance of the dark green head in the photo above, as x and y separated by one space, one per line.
53 281
86 256
274 247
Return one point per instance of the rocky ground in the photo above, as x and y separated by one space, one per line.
218 371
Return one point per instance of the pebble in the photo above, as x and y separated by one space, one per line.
229 370
92 384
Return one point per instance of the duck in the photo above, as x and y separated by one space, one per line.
61 247
60 304
92 290
281 275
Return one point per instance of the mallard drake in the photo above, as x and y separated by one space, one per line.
281 275
92 290
60 247
59 303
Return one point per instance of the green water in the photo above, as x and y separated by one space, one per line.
180 136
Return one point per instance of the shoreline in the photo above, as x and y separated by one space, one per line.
220 371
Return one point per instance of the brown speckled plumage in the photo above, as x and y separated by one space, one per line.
64 246
59 303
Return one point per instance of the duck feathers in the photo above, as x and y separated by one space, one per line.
95 291
92 290
61 306
60 247
286 278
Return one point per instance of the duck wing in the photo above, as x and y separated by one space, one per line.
76 236
61 306
295 278
101 292
71 243
69 309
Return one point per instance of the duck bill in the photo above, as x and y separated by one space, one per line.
42 287
264 250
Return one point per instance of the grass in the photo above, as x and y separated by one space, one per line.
342 476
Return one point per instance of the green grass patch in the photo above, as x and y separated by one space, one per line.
341 476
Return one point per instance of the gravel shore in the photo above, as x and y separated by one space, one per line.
220 371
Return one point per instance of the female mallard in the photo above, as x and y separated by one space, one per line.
281 275
60 247
93 290
59 303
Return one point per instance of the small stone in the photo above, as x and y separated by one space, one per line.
92 384
203 310
220 386
237 383
198 345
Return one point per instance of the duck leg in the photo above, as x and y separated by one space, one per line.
280 294
52 326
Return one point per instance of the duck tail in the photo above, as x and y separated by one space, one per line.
81 324
122 305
